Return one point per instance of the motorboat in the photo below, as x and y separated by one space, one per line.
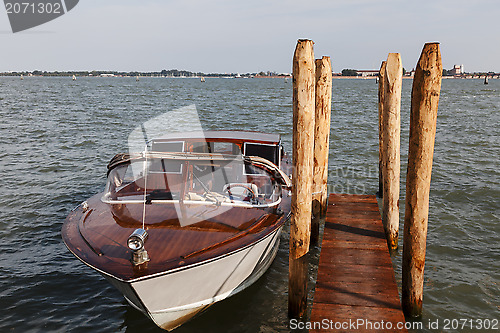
192 219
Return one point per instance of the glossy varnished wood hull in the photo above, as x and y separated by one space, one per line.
98 236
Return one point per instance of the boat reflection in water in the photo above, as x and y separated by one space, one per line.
193 219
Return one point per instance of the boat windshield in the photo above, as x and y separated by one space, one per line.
194 179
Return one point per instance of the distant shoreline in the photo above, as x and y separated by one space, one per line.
286 77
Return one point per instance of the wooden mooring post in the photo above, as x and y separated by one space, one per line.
303 149
423 116
381 81
391 128
321 144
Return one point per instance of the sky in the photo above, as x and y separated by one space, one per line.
231 36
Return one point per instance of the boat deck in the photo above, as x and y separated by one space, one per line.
355 276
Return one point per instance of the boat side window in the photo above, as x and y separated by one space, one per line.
167 146
117 176
268 151
224 148
119 180
199 147
162 165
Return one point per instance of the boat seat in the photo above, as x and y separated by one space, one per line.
241 189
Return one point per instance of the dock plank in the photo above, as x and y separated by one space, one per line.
355 283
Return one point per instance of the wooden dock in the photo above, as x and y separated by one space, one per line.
355 289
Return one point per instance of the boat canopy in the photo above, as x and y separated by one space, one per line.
194 178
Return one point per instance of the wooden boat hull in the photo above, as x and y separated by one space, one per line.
172 298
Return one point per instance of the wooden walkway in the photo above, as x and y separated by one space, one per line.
355 283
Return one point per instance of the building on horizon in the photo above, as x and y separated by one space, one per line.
367 72
457 70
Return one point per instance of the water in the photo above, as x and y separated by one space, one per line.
57 135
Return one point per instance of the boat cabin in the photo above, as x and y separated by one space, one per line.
224 168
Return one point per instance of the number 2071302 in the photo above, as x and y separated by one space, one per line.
34 8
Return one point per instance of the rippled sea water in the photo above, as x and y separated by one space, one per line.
57 135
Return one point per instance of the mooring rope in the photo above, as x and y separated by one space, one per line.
145 186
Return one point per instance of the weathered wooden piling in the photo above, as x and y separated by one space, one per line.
391 147
381 81
321 144
303 149
423 115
